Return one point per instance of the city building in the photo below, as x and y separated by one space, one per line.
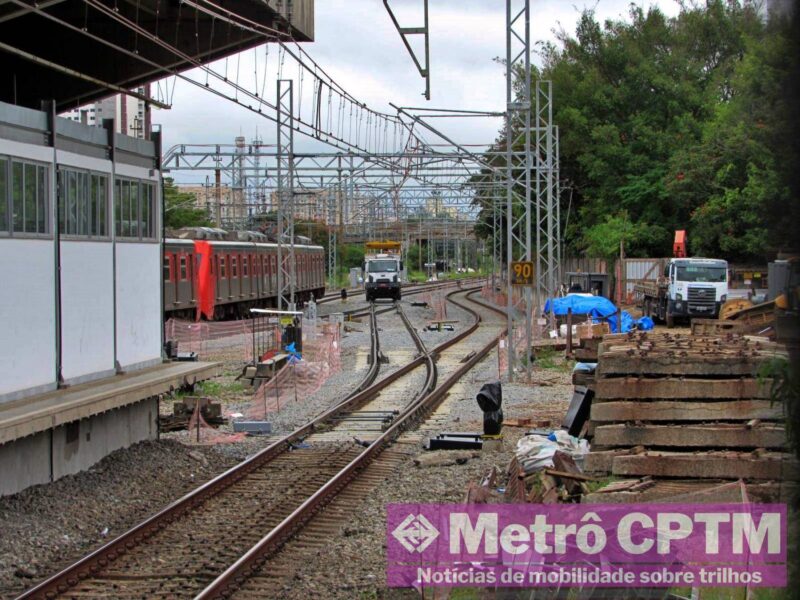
131 115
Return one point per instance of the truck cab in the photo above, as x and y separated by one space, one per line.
696 287
382 271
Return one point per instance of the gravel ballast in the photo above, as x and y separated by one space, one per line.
46 527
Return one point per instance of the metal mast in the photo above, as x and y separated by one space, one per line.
547 227
518 161
287 281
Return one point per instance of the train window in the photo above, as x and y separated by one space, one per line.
167 268
183 267
189 268
234 267
222 270
245 266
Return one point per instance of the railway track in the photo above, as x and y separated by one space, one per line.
210 542
410 289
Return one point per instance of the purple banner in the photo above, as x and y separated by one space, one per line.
529 545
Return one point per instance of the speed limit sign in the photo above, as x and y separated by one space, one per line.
521 273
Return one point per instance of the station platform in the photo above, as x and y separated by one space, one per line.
49 435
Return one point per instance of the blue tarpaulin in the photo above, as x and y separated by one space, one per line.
627 322
596 307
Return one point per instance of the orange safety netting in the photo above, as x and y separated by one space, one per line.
200 432
438 302
299 379
500 298
204 336
296 380
518 333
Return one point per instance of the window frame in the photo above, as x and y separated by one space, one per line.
146 194
84 181
7 229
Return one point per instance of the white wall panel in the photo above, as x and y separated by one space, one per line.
27 314
70 159
139 315
87 309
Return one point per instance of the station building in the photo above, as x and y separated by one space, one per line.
81 363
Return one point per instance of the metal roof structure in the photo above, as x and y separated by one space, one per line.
78 51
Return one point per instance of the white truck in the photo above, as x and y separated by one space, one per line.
382 270
690 287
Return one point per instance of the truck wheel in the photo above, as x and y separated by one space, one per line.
670 321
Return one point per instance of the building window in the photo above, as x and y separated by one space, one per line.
23 197
83 203
3 195
134 209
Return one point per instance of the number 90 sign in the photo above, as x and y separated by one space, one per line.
522 273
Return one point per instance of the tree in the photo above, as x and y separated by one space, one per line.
413 256
180 208
603 239
673 123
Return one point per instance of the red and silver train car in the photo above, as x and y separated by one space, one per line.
225 279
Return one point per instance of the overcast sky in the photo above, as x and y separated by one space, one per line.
358 46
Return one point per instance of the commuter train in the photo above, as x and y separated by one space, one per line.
238 275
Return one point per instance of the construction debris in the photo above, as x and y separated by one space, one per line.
253 427
185 407
456 441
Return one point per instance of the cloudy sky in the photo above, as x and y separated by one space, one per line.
356 43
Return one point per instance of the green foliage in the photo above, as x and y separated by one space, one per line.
603 239
351 256
180 208
673 123
413 256
785 390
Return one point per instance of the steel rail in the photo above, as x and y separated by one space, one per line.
374 355
232 578
97 560
102 557
409 289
